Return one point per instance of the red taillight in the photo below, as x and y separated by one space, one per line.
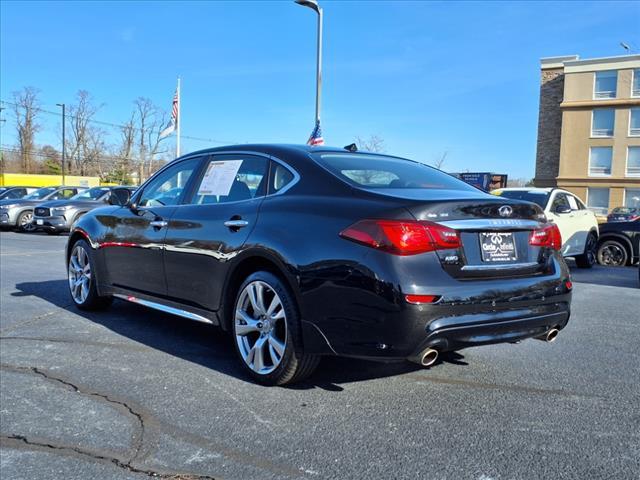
402 237
548 236
568 285
419 299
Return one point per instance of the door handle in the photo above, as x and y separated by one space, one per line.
158 223
236 223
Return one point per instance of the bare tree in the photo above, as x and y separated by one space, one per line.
373 144
150 121
440 161
86 142
25 108
125 150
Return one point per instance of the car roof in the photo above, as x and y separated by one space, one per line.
528 189
274 149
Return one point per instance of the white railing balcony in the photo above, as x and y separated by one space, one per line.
634 132
599 171
605 94
602 132
633 171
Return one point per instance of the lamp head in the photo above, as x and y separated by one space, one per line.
309 3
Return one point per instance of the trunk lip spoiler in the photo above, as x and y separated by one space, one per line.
492 224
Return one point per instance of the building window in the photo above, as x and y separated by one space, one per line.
600 161
634 122
602 122
633 162
635 84
605 84
632 197
598 200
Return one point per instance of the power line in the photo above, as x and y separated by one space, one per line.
109 124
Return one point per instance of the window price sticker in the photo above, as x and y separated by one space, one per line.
219 177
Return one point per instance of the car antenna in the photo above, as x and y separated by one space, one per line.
351 147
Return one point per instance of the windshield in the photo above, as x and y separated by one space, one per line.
539 197
380 172
40 193
91 194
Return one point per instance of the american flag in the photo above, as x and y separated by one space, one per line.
173 122
316 136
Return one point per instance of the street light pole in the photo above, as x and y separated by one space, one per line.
313 4
64 156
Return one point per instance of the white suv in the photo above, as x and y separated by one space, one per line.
578 225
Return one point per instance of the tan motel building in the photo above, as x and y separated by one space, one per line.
589 129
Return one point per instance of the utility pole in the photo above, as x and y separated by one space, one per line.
64 147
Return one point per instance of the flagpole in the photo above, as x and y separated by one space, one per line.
178 122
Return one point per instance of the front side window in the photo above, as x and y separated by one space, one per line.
632 198
380 172
63 194
232 178
605 84
91 194
598 200
633 162
167 187
602 122
600 161
635 84
634 122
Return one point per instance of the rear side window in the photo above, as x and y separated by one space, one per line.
232 178
281 176
380 172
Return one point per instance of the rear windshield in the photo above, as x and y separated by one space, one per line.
380 172
540 198
625 210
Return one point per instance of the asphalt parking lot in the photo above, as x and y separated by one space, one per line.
133 393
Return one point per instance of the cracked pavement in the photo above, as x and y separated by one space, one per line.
134 393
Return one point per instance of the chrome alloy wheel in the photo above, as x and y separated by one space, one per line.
79 274
613 255
260 327
26 222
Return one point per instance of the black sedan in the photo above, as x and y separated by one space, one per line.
303 251
619 243
624 214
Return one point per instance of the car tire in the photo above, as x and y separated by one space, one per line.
267 332
81 274
612 253
588 258
24 223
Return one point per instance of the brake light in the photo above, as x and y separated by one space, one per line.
402 237
548 236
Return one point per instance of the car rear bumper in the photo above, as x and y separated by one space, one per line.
52 223
469 313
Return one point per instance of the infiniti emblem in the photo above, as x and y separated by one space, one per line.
505 211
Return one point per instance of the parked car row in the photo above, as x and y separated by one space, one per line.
615 243
54 209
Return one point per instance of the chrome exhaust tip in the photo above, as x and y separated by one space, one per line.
549 336
426 358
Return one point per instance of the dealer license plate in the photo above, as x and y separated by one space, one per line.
498 247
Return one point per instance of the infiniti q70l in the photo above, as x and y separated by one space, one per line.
300 252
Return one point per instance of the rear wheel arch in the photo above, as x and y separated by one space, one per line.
251 263
618 238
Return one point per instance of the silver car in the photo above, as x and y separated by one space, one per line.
59 215
18 213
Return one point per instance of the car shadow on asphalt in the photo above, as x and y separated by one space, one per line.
605 276
209 346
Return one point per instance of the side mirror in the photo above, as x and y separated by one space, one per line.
121 199
561 209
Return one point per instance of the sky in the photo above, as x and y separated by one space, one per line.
429 78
